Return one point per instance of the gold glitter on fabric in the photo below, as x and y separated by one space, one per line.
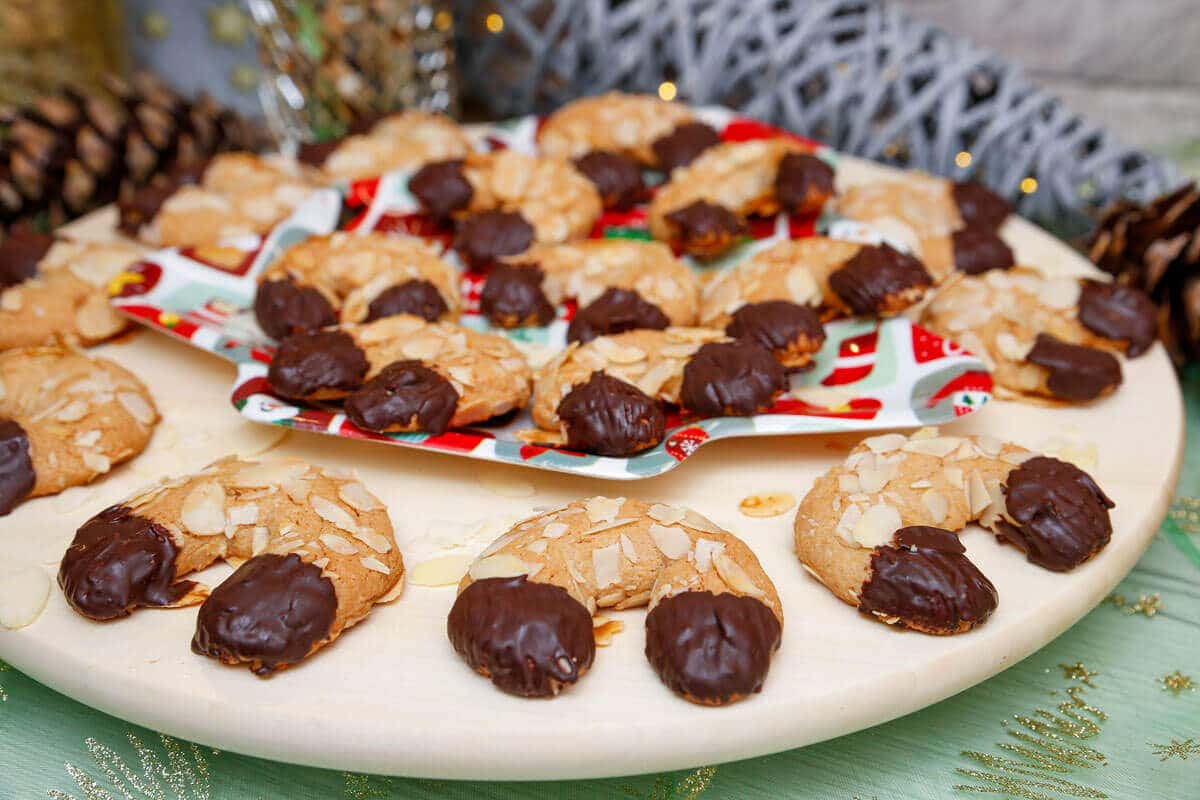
1176 749
667 787
1078 672
177 771
1147 604
1049 744
1177 682
1185 511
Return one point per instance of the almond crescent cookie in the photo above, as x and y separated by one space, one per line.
948 225
626 124
56 292
402 373
313 551
1045 337
397 142
880 530
65 420
703 207
234 194
505 201
350 277
606 396
523 613
618 285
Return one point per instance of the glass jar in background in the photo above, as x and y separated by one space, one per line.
332 66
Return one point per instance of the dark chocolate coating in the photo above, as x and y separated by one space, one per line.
20 253
404 392
872 281
681 146
417 296
777 325
615 311
735 378
1076 372
712 649
138 207
308 362
271 612
978 249
925 579
283 308
118 562
803 183
705 228
483 238
617 178
531 639
1061 514
16 466
441 187
979 205
314 153
1119 312
610 417
512 296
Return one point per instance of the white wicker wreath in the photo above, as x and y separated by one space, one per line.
854 73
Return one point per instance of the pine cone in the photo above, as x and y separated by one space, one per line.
1157 249
71 152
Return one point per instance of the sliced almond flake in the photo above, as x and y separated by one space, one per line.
441 571
268 473
554 530
921 484
877 526
137 407
802 286
606 562
732 573
72 412
500 565
954 476
936 504
848 482
87 438
355 495
706 551
928 432
628 548
373 563
424 348
245 514
288 532
1012 348
616 353
846 523
874 477
939 447
673 542
1060 293
885 443
96 462
333 513
766 504
965 450
464 375
259 540
667 515
376 541
977 494
500 544
652 381
678 351
537 546
203 510
321 562
338 544
1017 457
297 489
988 445
700 523
603 509
616 523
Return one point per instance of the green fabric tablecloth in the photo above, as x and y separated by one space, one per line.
1108 710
